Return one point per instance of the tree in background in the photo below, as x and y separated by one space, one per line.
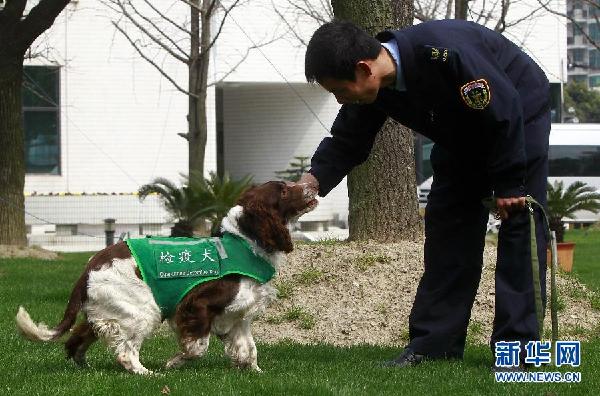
583 102
382 191
295 170
18 31
158 28
495 14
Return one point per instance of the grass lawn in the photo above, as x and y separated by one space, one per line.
586 263
35 368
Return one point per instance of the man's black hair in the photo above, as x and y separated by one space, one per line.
334 50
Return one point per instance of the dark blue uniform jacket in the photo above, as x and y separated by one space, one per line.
469 89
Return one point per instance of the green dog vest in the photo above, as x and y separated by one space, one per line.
174 266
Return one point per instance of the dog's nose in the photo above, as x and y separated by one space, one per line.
308 192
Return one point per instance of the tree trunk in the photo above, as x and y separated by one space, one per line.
17 32
460 9
12 160
198 75
383 194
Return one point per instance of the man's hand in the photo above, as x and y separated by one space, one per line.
505 206
310 181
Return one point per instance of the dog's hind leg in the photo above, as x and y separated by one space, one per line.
122 311
128 355
78 343
126 345
191 349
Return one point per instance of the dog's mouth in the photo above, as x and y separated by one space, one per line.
311 204
307 202
308 193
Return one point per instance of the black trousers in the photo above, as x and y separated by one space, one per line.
455 227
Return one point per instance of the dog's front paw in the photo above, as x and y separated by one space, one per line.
175 362
143 371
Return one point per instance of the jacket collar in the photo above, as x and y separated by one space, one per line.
407 57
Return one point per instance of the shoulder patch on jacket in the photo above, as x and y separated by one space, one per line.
436 54
476 94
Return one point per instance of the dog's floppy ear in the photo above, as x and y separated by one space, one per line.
265 227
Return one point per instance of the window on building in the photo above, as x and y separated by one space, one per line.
594 31
578 55
594 81
583 161
594 61
579 79
41 119
66 229
576 30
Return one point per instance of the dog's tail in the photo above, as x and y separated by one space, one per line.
40 332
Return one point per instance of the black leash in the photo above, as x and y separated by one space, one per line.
531 203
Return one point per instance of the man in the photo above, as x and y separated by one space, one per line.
485 104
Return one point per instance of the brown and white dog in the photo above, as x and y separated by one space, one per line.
120 308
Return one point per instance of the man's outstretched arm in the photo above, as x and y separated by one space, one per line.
352 137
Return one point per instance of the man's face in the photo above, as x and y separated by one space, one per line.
361 91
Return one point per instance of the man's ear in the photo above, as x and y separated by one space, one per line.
364 68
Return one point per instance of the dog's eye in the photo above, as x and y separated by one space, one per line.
284 191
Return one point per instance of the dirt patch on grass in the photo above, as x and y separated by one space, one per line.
11 251
353 293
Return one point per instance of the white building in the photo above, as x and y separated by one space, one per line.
107 122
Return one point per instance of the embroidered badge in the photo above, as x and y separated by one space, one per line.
476 94
436 54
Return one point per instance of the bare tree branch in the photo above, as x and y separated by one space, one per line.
211 7
573 21
233 68
39 19
147 58
291 28
151 23
449 9
309 10
148 34
166 18
526 17
11 14
501 24
227 11
196 6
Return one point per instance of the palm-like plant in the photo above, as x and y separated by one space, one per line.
178 201
198 198
222 194
563 203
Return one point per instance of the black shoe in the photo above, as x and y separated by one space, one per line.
407 358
